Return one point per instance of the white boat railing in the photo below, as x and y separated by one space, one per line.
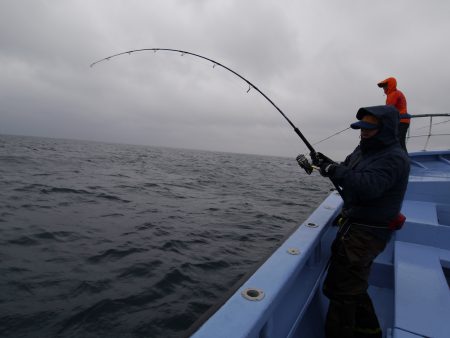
430 127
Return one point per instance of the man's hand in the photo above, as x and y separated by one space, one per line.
327 169
326 164
318 159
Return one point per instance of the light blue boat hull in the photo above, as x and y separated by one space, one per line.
409 283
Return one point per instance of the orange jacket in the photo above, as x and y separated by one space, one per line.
395 97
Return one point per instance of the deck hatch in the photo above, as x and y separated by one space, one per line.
443 214
446 270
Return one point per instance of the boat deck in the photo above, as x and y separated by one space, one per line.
422 295
422 251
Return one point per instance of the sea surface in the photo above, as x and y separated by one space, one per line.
110 240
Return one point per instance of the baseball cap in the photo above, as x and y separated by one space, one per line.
368 121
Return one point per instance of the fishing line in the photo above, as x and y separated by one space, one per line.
331 136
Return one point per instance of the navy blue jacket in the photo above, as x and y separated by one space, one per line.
374 178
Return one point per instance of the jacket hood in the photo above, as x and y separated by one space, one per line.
391 84
389 117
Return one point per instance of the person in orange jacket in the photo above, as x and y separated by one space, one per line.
395 97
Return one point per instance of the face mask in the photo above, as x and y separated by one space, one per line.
370 144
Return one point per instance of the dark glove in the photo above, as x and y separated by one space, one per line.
318 159
327 169
325 163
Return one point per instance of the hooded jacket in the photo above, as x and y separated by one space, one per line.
374 178
395 97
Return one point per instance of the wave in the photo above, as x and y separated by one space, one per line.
23 240
140 269
174 278
60 236
114 254
64 190
90 287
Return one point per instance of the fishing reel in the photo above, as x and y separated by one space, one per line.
318 159
304 163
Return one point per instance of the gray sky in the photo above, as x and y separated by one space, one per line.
319 61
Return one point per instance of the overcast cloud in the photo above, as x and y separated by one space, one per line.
319 61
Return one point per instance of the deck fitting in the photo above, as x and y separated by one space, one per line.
293 251
253 294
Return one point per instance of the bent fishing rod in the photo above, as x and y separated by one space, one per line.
215 63
308 168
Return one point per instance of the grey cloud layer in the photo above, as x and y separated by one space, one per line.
319 61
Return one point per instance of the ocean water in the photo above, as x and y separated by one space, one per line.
109 240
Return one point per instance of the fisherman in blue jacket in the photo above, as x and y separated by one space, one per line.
373 180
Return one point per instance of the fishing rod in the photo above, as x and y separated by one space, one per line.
303 162
215 63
